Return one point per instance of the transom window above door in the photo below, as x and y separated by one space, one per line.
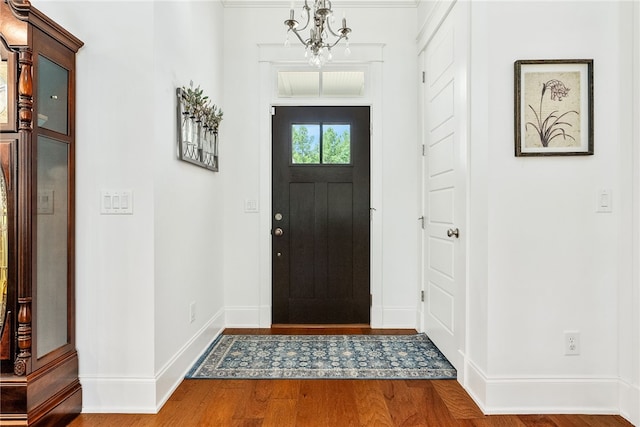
321 144
311 84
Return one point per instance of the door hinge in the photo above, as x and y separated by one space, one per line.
424 78
273 111
422 296
424 150
370 300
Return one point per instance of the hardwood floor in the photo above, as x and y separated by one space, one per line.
330 403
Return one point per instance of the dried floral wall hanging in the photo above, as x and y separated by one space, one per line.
198 123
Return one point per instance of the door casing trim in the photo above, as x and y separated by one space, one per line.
267 101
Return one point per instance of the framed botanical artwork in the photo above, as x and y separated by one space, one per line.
553 107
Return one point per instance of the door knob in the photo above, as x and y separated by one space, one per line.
278 232
453 232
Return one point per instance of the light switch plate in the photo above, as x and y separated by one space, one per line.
604 200
116 202
45 202
251 206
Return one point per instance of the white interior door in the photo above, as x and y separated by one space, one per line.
444 185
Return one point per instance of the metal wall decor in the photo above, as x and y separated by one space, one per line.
198 123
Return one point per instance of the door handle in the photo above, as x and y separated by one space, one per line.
453 232
278 232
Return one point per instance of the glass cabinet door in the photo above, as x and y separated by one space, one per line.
4 100
7 89
52 213
52 97
4 254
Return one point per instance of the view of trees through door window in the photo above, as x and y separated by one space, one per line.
321 143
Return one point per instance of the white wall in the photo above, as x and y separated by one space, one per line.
188 200
542 261
630 297
243 165
566 269
137 274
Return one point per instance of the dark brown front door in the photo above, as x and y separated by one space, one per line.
320 218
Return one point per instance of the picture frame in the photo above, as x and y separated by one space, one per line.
553 107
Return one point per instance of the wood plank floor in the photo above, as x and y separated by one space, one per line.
330 403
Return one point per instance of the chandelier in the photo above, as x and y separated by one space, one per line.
317 45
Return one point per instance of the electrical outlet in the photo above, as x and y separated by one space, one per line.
192 312
571 343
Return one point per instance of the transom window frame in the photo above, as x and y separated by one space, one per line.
322 99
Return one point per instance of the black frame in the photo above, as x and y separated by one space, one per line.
554 124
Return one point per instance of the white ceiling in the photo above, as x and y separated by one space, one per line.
342 3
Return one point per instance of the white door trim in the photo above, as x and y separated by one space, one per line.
459 11
273 57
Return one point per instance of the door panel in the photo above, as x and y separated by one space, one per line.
321 204
442 159
302 239
444 185
441 306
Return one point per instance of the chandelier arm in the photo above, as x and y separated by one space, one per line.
329 46
298 36
306 9
331 29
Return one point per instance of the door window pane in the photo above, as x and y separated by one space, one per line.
298 83
343 83
53 87
336 144
305 144
313 84
319 143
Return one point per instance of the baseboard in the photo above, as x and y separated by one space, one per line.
172 374
630 402
260 317
130 395
123 395
542 395
244 317
399 318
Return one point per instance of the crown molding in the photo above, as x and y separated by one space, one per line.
341 3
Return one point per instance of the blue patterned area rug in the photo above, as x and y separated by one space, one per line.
323 356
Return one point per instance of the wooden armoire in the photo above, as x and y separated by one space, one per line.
38 360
